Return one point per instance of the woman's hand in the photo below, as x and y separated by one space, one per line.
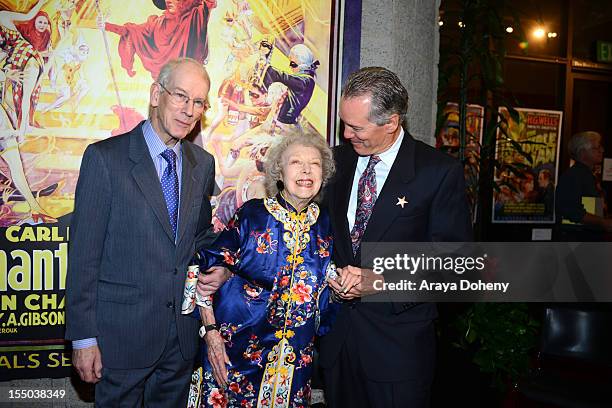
354 282
217 356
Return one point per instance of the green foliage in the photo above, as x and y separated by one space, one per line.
502 337
471 62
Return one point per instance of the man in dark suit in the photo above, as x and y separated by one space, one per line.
141 209
389 188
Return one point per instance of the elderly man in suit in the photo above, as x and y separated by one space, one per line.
141 209
389 188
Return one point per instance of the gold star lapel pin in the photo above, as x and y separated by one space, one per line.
402 201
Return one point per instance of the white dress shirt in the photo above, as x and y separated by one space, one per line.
382 168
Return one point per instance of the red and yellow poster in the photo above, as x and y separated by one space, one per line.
73 72
526 179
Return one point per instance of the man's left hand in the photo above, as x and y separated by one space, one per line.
354 282
210 281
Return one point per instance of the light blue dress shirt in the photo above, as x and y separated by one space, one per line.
156 147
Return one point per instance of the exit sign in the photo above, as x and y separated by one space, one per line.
604 51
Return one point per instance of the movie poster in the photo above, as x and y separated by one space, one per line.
526 181
73 72
447 140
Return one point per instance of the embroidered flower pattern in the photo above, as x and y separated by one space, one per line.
323 246
306 355
251 291
227 330
292 306
239 393
253 351
217 398
301 292
265 243
302 397
229 257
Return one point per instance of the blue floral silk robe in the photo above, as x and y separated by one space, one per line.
270 310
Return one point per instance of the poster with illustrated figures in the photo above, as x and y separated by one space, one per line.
448 141
526 179
73 72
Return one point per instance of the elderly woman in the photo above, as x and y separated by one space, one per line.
260 337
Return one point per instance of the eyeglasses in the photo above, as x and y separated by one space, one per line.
293 64
180 99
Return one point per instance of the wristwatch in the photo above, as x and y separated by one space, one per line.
206 328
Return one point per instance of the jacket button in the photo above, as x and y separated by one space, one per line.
169 305
175 271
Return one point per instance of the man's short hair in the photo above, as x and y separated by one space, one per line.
169 67
580 142
388 95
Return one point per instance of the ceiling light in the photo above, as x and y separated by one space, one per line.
539 32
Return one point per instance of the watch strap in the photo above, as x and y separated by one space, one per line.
211 327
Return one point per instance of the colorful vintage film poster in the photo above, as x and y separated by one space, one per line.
447 140
526 189
73 72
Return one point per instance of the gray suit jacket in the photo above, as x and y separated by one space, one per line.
125 273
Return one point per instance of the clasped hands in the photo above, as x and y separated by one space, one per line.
210 281
353 282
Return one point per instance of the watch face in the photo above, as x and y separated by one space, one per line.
202 331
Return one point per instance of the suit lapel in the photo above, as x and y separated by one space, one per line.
145 175
347 163
386 208
188 183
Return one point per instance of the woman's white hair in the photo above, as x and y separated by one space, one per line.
274 161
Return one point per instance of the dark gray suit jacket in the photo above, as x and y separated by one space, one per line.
125 273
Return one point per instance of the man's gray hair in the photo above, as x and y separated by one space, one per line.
580 142
169 67
388 95
274 159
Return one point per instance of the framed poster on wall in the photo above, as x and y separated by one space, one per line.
448 141
526 179
73 72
